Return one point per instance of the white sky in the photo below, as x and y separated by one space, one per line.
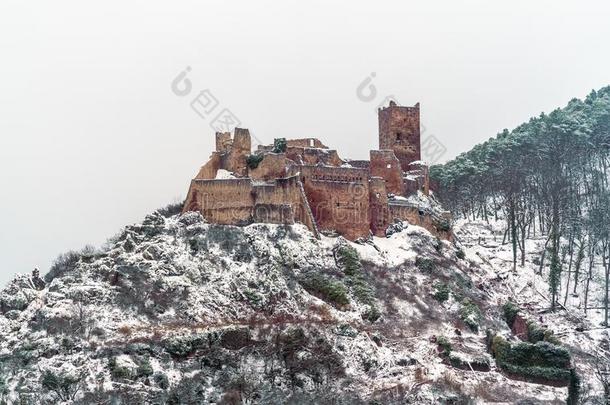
92 137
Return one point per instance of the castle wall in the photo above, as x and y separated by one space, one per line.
399 130
416 216
223 141
227 202
240 150
272 166
386 165
378 201
240 202
306 143
338 198
309 183
209 170
313 156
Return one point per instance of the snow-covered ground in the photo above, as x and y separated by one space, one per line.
525 285
177 308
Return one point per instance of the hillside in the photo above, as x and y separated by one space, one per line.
175 310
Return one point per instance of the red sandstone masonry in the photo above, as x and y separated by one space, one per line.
311 184
399 130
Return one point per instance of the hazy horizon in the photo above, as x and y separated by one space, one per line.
94 138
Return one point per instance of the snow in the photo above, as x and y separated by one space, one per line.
237 274
222 174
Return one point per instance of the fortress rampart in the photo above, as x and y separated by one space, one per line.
301 180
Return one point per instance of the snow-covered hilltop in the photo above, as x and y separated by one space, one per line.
175 310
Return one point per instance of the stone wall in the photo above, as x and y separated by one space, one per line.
417 216
227 202
306 143
386 165
378 202
399 131
273 166
210 169
338 198
241 201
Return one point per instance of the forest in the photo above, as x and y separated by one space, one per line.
546 178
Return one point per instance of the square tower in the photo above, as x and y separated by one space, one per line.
399 131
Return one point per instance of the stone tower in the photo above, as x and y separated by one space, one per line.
399 131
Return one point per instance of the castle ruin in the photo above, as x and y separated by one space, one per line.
302 180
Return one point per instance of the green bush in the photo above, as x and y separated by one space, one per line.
444 344
253 297
348 258
424 264
64 263
117 371
171 209
444 226
254 160
438 245
547 373
573 388
279 145
144 368
510 312
161 380
182 346
325 288
460 254
64 385
541 360
371 314
441 292
535 333
457 361
470 314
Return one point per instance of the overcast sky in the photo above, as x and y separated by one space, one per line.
93 137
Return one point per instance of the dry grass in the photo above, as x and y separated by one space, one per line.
125 330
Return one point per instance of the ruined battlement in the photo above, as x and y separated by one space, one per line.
302 180
399 130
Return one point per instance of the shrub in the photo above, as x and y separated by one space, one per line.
64 263
117 371
325 288
510 312
541 360
444 344
65 386
547 373
253 297
441 292
144 368
480 363
573 388
182 346
470 314
171 209
348 258
254 160
371 314
279 145
444 226
535 333
460 254
161 380
362 290
438 245
424 264
499 347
